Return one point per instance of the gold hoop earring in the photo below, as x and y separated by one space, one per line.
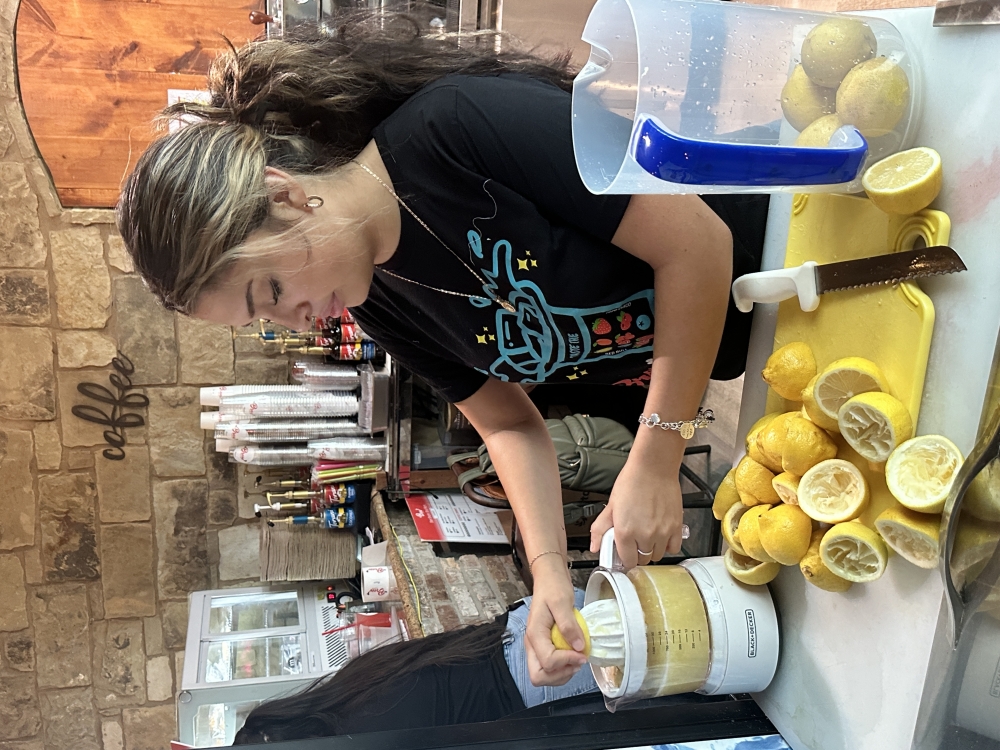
314 201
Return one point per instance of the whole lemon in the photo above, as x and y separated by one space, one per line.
818 133
806 444
726 496
748 534
873 97
789 369
835 46
784 532
802 101
753 482
771 441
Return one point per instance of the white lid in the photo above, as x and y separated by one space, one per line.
224 446
209 419
211 395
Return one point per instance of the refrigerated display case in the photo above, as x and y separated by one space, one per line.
251 644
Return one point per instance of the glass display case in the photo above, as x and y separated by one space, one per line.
247 645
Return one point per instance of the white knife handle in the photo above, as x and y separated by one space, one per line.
774 286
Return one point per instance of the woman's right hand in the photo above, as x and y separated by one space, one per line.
525 460
552 603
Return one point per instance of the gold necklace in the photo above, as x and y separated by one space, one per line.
495 298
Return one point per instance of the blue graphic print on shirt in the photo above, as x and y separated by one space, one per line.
538 341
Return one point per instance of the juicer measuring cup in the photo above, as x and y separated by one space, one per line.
687 627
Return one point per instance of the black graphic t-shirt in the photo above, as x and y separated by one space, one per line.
487 163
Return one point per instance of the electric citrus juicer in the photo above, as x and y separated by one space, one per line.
666 629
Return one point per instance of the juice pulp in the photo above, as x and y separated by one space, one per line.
678 644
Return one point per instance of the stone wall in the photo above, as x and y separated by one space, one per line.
97 557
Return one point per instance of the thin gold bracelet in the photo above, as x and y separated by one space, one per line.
542 554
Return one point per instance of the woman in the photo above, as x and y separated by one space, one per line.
432 188
472 675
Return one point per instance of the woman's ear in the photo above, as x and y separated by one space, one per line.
286 195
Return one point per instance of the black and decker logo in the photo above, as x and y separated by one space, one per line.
751 634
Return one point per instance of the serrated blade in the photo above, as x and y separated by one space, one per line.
966 12
891 268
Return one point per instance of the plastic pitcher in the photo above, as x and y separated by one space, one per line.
703 96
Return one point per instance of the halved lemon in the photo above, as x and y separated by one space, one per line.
845 379
833 491
786 485
815 571
561 643
747 570
921 471
811 410
855 552
730 524
906 182
874 424
914 536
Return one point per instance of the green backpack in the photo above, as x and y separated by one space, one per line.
591 452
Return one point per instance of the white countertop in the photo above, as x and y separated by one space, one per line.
853 666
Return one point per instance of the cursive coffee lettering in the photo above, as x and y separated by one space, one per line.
115 419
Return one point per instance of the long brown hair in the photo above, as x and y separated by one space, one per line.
333 705
303 104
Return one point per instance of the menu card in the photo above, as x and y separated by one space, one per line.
452 517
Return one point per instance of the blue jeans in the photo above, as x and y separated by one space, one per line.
517 662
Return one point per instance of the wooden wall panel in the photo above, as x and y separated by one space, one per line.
93 74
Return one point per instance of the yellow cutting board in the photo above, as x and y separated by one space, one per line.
890 325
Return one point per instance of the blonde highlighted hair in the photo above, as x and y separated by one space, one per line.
305 104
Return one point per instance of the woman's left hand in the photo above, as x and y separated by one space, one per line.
646 511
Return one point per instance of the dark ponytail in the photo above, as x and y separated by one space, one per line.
335 87
324 708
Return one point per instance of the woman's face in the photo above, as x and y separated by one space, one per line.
288 286
320 262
